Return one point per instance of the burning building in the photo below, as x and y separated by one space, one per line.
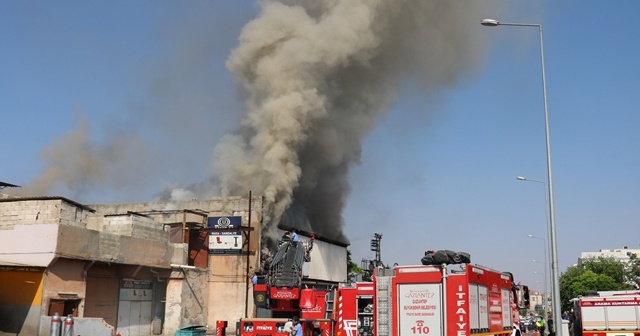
315 77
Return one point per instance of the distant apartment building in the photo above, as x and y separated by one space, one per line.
537 302
623 254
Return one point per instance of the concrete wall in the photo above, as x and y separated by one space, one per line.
134 226
81 326
64 278
29 229
28 245
134 234
161 211
102 246
228 287
230 274
38 245
65 238
227 281
34 232
187 297
179 254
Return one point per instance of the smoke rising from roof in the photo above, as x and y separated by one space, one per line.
317 76
78 163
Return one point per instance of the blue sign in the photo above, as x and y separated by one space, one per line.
227 242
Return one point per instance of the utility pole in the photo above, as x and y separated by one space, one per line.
375 247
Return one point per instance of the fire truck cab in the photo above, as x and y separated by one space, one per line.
607 313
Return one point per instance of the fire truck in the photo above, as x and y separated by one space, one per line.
607 313
283 289
420 300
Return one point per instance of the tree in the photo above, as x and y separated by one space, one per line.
352 268
634 270
594 274
590 280
566 280
609 266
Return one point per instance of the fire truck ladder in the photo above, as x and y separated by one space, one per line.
329 299
287 265
384 307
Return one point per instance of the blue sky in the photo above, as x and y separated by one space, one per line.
442 179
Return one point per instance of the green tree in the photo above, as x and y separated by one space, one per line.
566 280
594 274
352 268
634 270
609 266
589 280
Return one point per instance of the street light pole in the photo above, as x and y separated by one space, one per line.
546 247
545 305
546 198
544 242
555 286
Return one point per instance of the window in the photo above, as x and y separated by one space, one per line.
64 307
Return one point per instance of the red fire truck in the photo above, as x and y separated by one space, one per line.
283 290
424 300
607 313
353 310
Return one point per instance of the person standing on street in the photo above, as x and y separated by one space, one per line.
540 326
288 327
572 322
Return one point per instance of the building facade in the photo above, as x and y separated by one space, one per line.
134 269
537 303
624 254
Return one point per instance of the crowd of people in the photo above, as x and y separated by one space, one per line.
540 325
537 324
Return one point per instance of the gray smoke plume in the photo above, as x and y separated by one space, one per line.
316 76
78 163
161 135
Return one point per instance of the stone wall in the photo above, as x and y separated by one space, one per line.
46 210
187 298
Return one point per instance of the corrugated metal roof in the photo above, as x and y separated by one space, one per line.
8 185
